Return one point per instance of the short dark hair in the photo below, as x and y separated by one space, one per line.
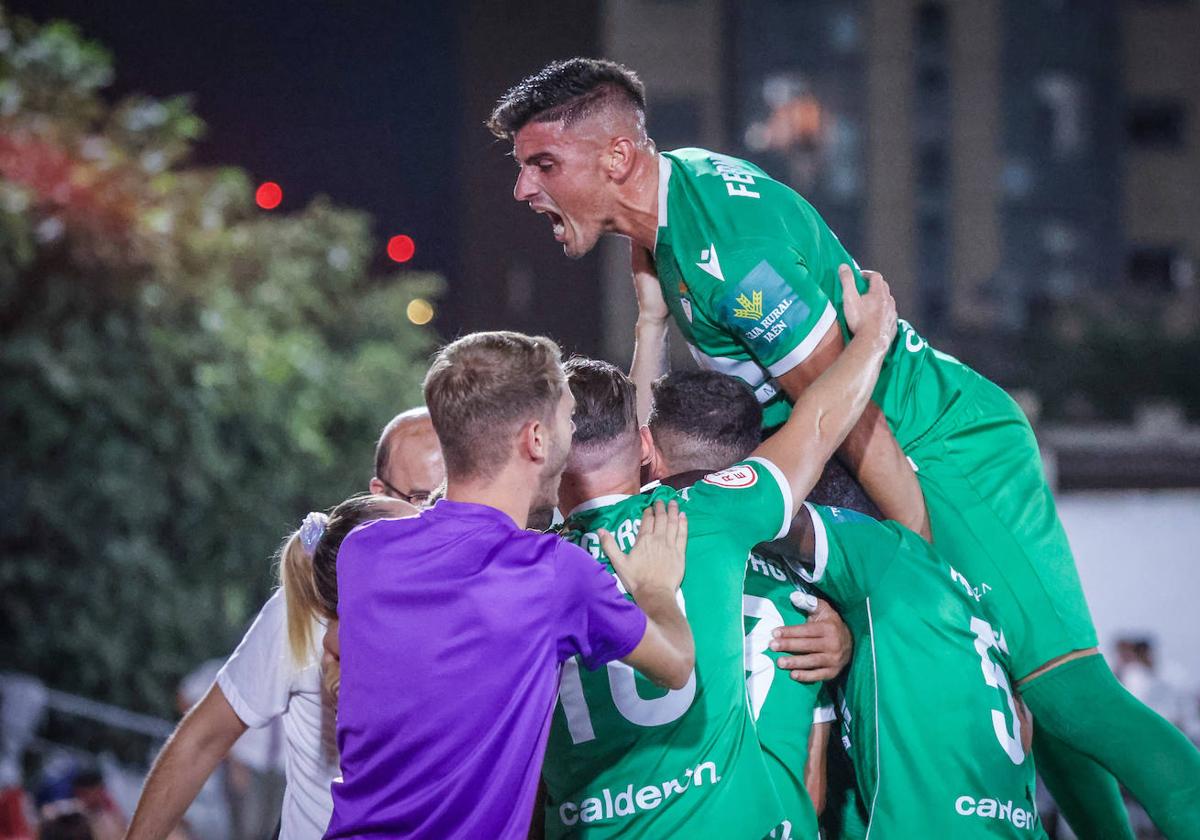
704 418
566 90
605 401
481 388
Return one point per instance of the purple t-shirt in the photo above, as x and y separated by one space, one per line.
453 626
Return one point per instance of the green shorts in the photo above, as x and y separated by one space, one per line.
993 518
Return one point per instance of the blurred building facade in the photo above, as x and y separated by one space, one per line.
1161 82
993 158
509 273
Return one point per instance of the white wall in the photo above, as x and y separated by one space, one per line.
1138 553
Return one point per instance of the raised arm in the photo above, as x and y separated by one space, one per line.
650 359
826 411
870 451
651 572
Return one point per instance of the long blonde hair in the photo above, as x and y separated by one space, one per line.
299 592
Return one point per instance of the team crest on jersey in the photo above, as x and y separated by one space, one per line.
733 478
751 307
684 303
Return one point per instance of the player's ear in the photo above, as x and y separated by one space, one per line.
656 466
647 441
621 155
532 441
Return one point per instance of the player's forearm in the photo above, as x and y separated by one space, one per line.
668 630
825 413
815 766
875 458
650 360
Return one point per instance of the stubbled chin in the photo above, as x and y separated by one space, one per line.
575 248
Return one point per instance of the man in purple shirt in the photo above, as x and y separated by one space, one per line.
454 623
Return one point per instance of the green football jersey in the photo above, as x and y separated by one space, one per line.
933 731
749 271
626 758
783 709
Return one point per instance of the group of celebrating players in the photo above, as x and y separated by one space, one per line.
457 635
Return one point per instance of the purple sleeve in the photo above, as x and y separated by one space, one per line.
596 620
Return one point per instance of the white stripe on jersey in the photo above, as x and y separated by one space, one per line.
806 347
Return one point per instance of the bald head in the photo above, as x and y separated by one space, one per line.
408 458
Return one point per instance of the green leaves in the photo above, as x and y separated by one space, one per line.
184 377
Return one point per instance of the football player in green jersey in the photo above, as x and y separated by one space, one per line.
624 759
771 598
749 272
955 765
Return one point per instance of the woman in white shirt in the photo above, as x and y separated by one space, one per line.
274 673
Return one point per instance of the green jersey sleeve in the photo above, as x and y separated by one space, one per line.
773 304
851 553
752 497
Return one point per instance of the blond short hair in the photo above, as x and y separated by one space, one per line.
483 387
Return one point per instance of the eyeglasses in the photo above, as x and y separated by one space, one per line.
417 498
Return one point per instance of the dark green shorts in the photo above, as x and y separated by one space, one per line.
994 519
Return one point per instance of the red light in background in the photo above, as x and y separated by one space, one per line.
401 248
268 195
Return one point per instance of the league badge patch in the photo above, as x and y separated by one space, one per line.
734 478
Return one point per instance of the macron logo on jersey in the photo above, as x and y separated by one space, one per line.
708 262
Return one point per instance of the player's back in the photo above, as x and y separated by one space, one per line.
749 270
436 738
780 706
935 737
626 758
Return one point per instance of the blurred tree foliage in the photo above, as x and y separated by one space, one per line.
183 377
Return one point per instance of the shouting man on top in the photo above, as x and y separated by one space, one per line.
749 272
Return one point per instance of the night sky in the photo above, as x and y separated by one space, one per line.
354 99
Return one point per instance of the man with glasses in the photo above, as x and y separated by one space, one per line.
408 459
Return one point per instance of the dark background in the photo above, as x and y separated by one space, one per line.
356 100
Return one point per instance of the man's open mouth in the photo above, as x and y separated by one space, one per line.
557 224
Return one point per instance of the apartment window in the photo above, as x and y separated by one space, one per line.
932 169
933 256
932 26
1154 267
1156 124
933 81
1064 122
844 31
